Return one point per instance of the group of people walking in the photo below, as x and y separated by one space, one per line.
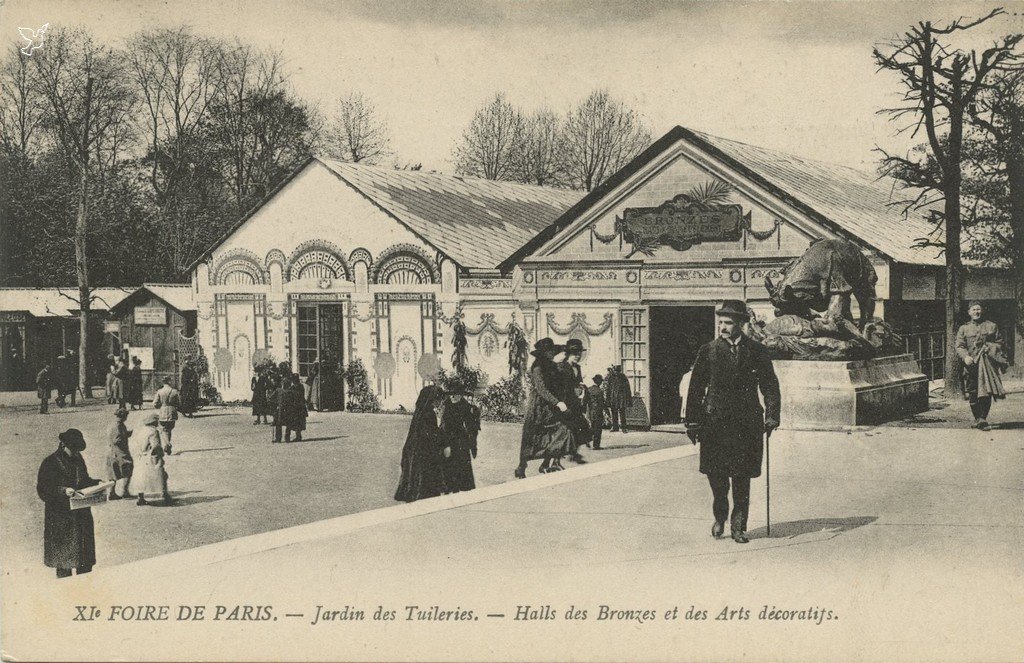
280 399
61 376
438 454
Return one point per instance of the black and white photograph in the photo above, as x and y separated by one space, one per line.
511 330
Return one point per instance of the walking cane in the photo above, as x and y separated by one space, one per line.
768 480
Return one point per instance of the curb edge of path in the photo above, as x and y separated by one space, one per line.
213 553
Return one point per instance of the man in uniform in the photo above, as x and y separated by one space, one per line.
724 414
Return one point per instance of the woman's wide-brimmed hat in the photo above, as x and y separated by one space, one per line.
733 308
546 346
150 419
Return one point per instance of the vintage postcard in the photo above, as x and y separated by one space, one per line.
494 330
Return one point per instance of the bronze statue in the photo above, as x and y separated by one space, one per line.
825 278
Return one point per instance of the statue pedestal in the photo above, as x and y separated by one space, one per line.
828 394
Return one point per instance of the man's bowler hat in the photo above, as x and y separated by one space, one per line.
733 308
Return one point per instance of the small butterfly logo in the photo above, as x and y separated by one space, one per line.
33 37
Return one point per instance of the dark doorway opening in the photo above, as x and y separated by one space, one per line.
676 333
321 336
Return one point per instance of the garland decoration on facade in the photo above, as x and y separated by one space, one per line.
457 315
579 321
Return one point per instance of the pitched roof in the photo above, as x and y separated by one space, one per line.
59 302
178 295
860 203
475 222
852 202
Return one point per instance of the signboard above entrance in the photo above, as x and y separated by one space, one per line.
150 315
680 223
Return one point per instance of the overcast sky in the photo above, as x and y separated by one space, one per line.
793 76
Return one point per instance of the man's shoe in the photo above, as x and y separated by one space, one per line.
717 529
740 537
983 425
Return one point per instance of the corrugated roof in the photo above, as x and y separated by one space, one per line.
47 302
860 203
475 222
841 198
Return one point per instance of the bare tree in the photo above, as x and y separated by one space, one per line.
177 75
999 113
21 107
88 103
488 147
260 130
940 83
602 134
540 152
357 133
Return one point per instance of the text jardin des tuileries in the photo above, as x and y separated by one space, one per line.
434 613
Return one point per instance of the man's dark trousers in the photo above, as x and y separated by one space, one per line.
740 500
618 416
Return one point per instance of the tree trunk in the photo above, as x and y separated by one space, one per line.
1015 182
82 271
954 291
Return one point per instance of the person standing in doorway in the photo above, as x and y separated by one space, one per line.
620 395
166 401
313 387
979 344
595 411
69 542
44 388
724 415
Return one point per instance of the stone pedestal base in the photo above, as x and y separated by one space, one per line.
829 394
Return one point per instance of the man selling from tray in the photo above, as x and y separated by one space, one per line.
68 540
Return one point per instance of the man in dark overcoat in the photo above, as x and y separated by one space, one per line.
68 539
724 414
620 395
44 388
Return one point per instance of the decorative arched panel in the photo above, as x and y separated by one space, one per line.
317 259
275 255
360 255
404 264
238 267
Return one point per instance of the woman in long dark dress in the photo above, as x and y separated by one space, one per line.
460 425
189 390
134 384
545 433
423 453
260 384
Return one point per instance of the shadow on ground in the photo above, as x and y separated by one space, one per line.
795 528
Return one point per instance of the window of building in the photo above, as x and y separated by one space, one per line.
633 346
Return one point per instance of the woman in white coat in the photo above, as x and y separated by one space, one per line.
148 474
